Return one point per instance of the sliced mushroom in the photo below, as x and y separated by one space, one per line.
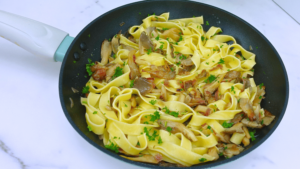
202 74
268 118
237 118
259 95
232 75
143 85
127 47
115 43
177 128
246 139
151 32
134 70
246 85
105 51
161 72
251 124
173 33
163 94
111 71
145 41
235 128
210 88
225 138
187 62
229 149
213 151
246 106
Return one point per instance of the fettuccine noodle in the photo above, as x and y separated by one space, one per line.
173 93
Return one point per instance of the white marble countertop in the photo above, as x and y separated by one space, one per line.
34 132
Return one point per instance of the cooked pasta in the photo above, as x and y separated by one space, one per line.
173 94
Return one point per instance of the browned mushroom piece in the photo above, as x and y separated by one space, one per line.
187 62
229 150
163 94
237 118
134 70
115 43
251 124
235 128
268 118
177 128
145 41
216 67
247 107
143 85
105 51
210 88
225 138
173 33
161 72
213 151
232 75
246 85
111 71
202 74
259 95
246 139
151 32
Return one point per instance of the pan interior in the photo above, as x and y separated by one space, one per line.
268 70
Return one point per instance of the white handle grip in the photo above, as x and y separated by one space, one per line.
35 37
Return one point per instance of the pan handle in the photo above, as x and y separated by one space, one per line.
35 37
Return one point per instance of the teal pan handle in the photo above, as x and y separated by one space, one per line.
38 38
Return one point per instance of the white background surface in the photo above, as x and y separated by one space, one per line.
34 132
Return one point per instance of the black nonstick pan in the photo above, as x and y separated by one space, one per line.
269 69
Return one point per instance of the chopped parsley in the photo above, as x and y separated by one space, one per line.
225 148
207 23
232 89
149 51
157 37
146 122
238 100
84 102
165 29
169 129
161 47
221 154
180 38
178 63
172 69
227 125
154 135
260 97
138 143
131 83
152 102
114 56
221 61
262 122
221 46
90 128
252 135
202 38
118 72
112 146
210 79
95 112
207 63
202 159
88 67
89 35
261 85
74 61
172 113
125 105
109 39
160 140
182 57
154 117
85 89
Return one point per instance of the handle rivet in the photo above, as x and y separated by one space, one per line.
82 46
76 56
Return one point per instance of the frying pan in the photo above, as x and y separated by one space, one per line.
52 43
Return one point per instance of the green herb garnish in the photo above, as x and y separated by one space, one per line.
160 140
88 67
252 135
202 159
152 102
85 89
227 125
169 129
221 61
210 79
112 146
118 72
131 83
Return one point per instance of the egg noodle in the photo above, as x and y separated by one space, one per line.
139 126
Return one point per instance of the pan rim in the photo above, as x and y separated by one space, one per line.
205 165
